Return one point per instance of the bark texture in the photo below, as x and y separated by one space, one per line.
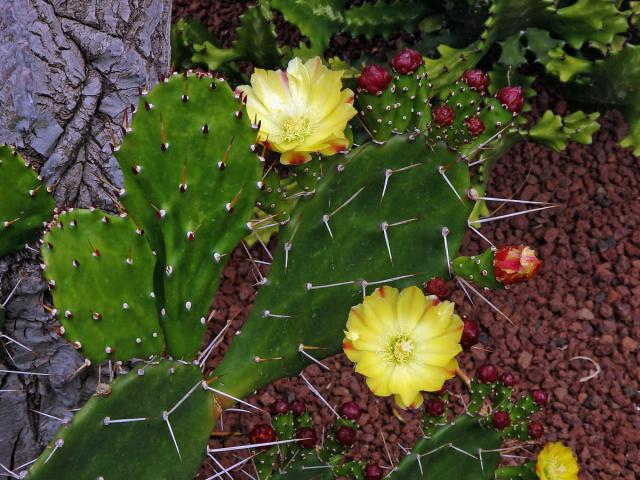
69 72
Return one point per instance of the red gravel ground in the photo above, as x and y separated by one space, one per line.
584 303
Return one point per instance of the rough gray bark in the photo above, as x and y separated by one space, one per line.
69 70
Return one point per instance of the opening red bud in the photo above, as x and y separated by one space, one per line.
476 79
407 61
512 98
374 79
515 264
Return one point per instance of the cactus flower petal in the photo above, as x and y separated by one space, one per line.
301 110
557 462
404 343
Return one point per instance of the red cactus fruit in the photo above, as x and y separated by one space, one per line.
488 373
307 437
406 61
345 435
501 420
438 287
373 472
280 407
435 407
512 98
540 397
350 410
536 430
508 379
443 115
262 433
475 126
476 79
470 333
374 79
297 407
515 264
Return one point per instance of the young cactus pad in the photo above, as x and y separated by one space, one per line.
190 184
24 202
100 272
357 232
154 425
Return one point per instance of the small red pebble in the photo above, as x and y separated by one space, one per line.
438 287
443 115
435 407
262 433
540 397
345 435
488 373
536 430
406 61
501 420
374 79
373 472
512 98
475 126
476 79
307 437
350 410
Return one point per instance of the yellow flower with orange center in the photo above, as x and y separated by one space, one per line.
301 110
557 462
404 343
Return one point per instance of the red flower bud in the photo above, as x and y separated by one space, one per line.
345 435
374 79
373 472
512 98
435 407
536 430
515 264
501 420
476 79
540 397
297 407
443 115
406 61
262 433
470 333
508 379
350 410
438 287
475 126
280 407
488 373
309 436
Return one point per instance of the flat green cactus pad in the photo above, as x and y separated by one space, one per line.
377 218
124 435
24 202
100 271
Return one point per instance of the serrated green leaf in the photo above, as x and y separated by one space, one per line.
512 51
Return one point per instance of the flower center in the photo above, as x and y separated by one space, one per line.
295 129
554 469
399 350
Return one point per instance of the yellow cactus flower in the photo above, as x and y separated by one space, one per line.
301 110
404 343
557 462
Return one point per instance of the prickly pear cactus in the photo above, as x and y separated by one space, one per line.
190 185
89 252
152 423
25 203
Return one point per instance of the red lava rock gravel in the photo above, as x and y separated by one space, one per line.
584 303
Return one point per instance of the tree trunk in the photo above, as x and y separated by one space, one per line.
69 70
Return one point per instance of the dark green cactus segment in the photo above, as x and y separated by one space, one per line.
439 460
25 204
508 17
517 472
309 469
320 266
308 175
125 435
477 269
589 20
555 131
445 70
377 113
91 251
191 184
385 18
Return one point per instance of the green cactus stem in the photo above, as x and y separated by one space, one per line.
25 203
477 269
153 424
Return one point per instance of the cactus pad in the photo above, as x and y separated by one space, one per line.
191 184
129 434
24 202
100 271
